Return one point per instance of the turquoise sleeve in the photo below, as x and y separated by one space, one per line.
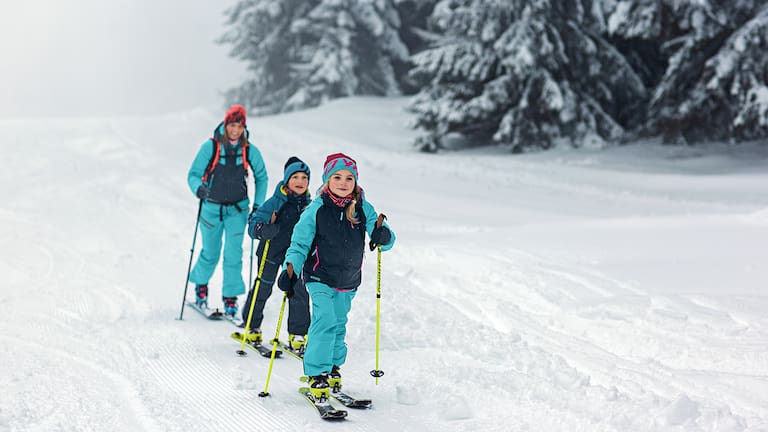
370 224
260 177
263 213
199 165
303 236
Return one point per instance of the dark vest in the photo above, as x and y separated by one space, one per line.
336 255
227 181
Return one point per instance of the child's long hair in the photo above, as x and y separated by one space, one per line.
349 211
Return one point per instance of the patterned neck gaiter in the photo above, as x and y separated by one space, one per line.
341 202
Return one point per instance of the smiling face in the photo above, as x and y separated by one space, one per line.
341 183
234 130
298 182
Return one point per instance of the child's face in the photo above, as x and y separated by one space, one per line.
298 183
341 183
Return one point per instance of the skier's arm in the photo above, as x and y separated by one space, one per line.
260 177
262 215
370 224
199 165
303 236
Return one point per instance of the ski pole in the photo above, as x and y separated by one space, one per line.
191 253
265 393
250 266
378 373
256 284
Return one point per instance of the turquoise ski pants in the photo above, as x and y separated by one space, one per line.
327 329
217 221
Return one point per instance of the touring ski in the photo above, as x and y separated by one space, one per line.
237 321
298 354
323 407
211 314
350 402
263 350
347 400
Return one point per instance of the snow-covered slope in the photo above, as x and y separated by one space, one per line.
561 291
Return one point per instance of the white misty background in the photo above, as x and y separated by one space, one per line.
91 58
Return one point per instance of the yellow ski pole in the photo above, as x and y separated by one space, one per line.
274 347
263 260
378 373
256 284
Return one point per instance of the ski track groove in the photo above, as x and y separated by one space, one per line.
203 384
219 395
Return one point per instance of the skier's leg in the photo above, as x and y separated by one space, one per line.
322 331
234 229
298 310
211 229
265 290
342 303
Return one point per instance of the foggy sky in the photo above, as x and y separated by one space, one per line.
116 57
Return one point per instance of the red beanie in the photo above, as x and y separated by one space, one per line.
235 114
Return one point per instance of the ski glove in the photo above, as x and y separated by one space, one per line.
266 231
381 236
286 283
202 192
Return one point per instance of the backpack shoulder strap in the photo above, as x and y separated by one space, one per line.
246 163
214 159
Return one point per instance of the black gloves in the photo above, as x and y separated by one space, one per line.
262 231
286 283
266 231
381 236
202 192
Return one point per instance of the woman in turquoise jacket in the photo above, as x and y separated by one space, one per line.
327 246
218 178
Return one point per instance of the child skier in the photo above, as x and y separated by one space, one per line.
327 246
286 204
218 178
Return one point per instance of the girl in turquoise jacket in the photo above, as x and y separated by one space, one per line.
327 246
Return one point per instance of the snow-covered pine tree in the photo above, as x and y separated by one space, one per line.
716 85
303 52
525 73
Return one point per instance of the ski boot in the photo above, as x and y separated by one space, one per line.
334 379
254 336
230 306
201 295
297 342
318 386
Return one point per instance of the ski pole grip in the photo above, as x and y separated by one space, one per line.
289 269
379 223
380 220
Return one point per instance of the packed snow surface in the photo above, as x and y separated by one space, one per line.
567 290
